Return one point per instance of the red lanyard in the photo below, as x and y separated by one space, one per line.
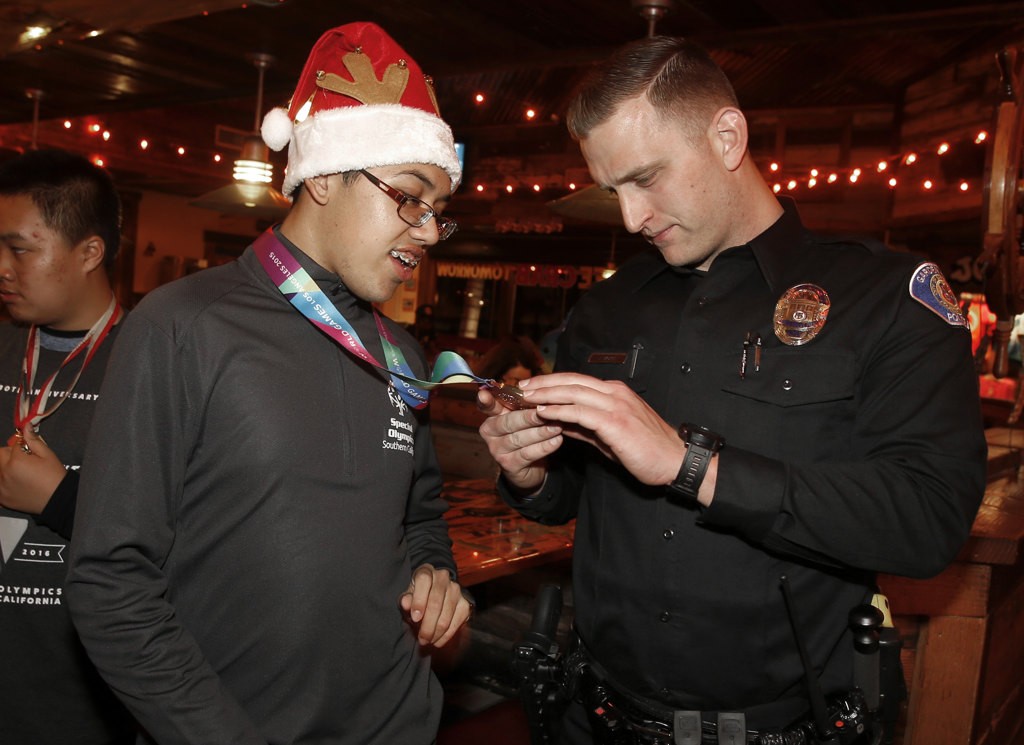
33 410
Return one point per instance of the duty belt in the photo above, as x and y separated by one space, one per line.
621 718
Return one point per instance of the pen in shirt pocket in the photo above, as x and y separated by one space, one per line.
633 357
750 339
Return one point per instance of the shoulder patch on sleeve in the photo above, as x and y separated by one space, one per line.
931 289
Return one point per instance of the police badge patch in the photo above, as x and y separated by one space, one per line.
931 289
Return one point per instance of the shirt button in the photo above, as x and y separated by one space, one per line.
665 616
685 368
787 385
666 692
667 534
702 301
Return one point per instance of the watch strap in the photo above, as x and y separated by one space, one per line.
701 446
691 473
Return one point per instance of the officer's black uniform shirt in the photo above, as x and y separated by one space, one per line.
860 451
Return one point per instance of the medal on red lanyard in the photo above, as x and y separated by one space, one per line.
32 410
302 292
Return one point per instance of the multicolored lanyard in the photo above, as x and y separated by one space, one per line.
32 410
302 292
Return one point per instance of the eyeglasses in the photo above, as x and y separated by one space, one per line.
414 211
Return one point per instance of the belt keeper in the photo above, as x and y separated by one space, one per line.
732 728
686 728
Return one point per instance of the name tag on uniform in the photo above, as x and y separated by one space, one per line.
608 358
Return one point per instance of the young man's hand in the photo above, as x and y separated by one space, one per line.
435 605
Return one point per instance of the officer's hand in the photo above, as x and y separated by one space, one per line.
519 441
435 605
28 479
612 418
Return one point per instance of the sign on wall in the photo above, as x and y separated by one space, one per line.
524 275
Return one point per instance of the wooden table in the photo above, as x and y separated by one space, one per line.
490 539
964 628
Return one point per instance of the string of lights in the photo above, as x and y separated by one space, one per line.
93 129
902 169
906 169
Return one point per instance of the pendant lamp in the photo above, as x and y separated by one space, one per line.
592 204
251 194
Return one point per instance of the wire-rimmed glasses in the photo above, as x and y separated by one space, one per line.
413 211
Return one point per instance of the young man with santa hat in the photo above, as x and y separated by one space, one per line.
267 561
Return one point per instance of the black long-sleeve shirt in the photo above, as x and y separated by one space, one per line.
49 691
253 512
860 451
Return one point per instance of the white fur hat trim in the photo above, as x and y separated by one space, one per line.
354 137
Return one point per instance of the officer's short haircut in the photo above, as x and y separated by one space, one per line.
677 76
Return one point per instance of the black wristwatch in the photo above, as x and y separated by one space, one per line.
702 444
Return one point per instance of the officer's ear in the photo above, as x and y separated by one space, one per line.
730 135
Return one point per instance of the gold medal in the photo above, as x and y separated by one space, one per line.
800 314
510 396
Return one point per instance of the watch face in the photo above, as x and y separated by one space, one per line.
702 437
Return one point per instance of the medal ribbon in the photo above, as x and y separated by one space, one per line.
303 293
32 410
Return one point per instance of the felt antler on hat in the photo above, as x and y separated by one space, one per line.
361 101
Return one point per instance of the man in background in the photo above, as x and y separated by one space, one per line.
60 227
268 562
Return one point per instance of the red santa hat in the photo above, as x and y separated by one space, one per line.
361 101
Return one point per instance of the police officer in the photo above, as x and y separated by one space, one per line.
746 403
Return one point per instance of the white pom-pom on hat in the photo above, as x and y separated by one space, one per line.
277 129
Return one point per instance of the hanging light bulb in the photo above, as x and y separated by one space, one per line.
254 166
251 168
251 194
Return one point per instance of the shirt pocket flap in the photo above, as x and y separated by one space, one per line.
797 377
